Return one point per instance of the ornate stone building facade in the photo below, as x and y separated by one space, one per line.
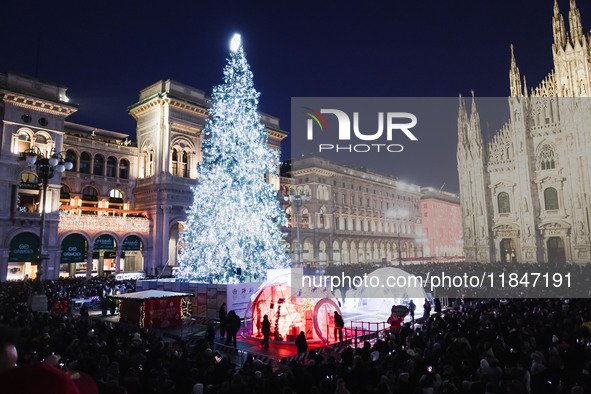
353 215
526 193
122 205
170 117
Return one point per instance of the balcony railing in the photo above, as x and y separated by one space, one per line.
125 222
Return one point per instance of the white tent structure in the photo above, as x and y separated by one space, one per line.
393 287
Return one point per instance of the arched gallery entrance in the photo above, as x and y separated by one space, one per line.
22 256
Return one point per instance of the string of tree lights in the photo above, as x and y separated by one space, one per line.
233 230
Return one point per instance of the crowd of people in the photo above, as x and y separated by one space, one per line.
485 346
67 289
540 280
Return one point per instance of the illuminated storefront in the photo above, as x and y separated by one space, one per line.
22 260
135 192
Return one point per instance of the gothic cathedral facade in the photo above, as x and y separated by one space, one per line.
526 193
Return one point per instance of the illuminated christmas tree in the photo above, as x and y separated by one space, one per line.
233 230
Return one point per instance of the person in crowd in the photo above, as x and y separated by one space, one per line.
411 309
394 321
84 310
426 309
301 343
266 330
210 335
222 316
437 305
338 326
511 345
37 378
341 387
8 355
232 328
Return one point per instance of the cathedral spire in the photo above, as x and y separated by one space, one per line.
574 21
558 27
462 123
463 113
514 77
474 133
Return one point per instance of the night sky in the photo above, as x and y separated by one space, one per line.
107 51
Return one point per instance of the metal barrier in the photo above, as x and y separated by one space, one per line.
354 341
91 302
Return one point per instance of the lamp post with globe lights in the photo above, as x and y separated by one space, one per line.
45 169
297 200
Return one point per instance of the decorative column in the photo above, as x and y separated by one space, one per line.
146 253
101 262
118 259
89 262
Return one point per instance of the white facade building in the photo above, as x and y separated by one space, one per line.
526 193
353 216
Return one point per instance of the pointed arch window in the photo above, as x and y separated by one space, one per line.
547 158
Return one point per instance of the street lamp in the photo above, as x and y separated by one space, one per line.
398 214
297 200
45 169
